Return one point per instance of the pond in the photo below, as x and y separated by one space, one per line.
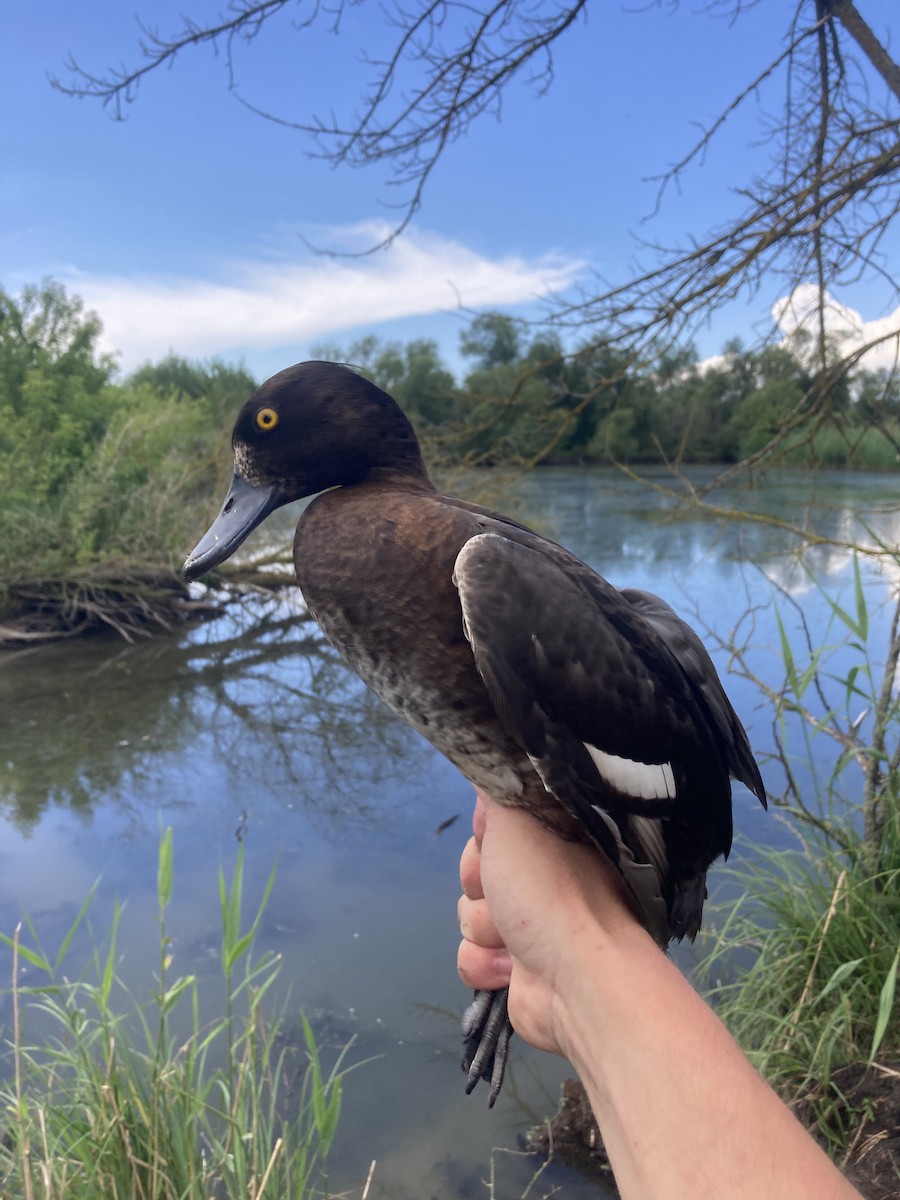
249 724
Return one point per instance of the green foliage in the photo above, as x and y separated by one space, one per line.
525 399
218 388
412 373
101 483
821 993
55 399
492 340
113 1103
819 997
852 445
91 471
48 332
857 709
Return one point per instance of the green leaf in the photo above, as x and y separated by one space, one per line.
73 928
238 948
787 654
885 1005
236 899
860 624
327 1126
170 998
862 612
106 981
164 871
838 976
30 956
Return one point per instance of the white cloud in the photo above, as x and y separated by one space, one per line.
796 315
265 305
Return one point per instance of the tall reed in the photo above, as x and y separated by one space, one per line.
110 1103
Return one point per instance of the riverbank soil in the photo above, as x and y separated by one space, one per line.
871 1098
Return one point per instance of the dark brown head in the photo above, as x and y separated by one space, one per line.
313 426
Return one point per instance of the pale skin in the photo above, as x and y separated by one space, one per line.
683 1114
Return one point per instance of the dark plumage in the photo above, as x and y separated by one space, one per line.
597 709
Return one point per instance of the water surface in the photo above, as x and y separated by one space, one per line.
250 723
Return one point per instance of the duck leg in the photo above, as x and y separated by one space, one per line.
486 1033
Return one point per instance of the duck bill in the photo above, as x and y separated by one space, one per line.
246 506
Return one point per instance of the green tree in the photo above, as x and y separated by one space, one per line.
413 373
47 330
878 397
99 481
775 388
222 387
55 393
507 409
493 339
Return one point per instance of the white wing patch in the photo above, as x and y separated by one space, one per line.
644 781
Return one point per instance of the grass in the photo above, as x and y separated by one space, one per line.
823 930
854 447
111 1103
805 965
857 446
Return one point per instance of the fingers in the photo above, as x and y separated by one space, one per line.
470 862
483 967
483 961
470 871
476 923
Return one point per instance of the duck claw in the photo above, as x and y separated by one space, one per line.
486 1031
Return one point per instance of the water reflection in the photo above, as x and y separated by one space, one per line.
616 520
258 691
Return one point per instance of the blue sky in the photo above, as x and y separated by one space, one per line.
183 226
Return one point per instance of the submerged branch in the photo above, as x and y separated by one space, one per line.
132 600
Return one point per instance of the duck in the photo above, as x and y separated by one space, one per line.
595 708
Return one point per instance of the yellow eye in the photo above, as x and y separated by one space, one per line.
266 419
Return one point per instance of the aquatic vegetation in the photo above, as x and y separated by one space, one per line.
805 965
121 1096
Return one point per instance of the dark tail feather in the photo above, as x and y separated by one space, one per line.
687 907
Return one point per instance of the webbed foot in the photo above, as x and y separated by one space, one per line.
486 1034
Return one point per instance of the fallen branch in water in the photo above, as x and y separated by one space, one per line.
133 601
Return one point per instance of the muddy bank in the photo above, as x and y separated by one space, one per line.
871 1100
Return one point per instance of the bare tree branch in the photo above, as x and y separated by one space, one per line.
849 16
818 214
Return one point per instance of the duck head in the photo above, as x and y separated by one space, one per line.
314 426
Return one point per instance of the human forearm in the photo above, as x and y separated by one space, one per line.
681 1110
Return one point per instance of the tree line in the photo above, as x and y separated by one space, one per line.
524 398
105 479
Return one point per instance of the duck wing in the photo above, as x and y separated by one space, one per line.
693 658
620 733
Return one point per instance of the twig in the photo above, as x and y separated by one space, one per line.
276 1150
807 987
365 1190
24 1148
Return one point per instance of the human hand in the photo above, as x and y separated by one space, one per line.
532 907
681 1110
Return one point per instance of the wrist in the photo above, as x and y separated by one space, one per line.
607 967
